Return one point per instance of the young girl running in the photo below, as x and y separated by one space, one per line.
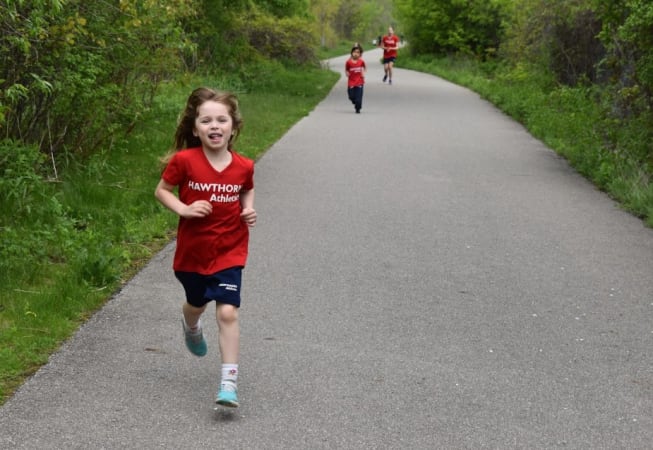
215 205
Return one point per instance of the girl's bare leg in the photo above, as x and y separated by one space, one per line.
228 333
192 314
228 339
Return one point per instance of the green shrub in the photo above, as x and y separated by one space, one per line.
21 182
288 40
81 72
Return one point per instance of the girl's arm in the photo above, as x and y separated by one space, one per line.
247 213
164 192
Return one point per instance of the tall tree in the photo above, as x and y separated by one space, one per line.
324 11
346 18
375 17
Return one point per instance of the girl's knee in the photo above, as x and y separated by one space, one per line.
227 314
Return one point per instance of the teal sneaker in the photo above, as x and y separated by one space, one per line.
194 341
227 395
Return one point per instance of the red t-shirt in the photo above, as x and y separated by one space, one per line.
355 71
219 241
390 41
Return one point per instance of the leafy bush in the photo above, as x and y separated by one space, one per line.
21 184
82 71
288 39
452 26
628 66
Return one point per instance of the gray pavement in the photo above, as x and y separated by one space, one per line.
423 275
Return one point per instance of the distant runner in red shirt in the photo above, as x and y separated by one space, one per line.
355 70
390 44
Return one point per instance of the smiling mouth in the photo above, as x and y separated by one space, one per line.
215 136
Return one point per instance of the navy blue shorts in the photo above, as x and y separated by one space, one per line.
389 60
222 287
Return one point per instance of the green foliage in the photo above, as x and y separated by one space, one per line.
38 230
21 183
346 18
285 8
560 36
605 44
323 12
234 35
452 26
288 40
627 35
374 18
82 71
628 69
218 44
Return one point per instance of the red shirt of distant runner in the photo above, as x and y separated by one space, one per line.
355 72
219 241
390 41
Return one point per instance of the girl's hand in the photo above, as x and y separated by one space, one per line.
248 215
197 209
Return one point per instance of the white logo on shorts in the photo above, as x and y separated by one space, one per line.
229 287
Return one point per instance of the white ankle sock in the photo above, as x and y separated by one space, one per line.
230 373
197 329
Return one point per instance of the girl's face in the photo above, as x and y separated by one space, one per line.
355 54
213 126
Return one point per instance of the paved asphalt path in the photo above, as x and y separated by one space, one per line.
423 275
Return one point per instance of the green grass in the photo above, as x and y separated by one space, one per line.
68 245
614 155
342 48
